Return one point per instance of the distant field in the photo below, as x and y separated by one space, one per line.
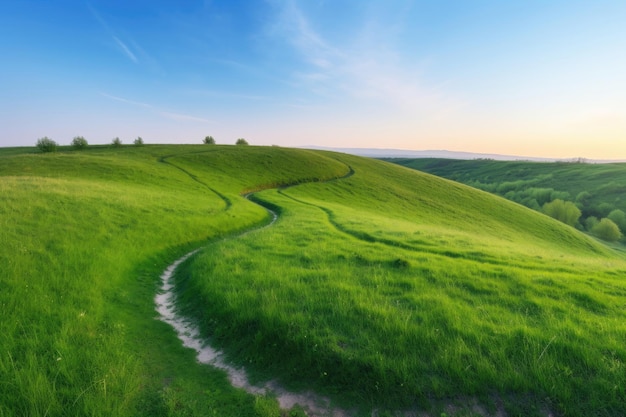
597 189
378 286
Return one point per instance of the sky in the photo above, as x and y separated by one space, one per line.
543 78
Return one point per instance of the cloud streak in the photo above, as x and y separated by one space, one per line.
307 41
125 49
227 95
365 66
123 100
183 117
164 113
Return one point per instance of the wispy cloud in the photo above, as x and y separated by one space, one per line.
323 60
365 64
125 49
99 18
123 46
164 113
123 100
183 117
315 49
227 95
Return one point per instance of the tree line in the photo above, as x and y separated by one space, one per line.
45 144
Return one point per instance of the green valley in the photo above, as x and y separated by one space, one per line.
596 189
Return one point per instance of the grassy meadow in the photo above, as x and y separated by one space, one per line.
378 286
84 237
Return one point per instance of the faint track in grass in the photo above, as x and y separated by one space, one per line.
166 160
366 237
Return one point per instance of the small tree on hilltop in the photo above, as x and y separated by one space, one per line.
46 144
79 143
138 141
564 211
209 140
116 142
241 141
607 230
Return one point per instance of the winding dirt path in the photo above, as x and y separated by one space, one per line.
189 333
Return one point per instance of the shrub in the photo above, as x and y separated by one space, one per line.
532 203
511 195
79 142
583 198
209 140
564 211
619 218
138 141
46 144
542 195
241 141
607 230
116 142
591 222
604 209
507 186
559 195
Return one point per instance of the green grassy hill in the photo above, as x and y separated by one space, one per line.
378 286
597 189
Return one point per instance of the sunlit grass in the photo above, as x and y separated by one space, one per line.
84 238
435 295
383 288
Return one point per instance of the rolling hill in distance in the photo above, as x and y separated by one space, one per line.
385 289
596 189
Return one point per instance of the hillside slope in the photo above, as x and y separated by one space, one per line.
597 189
397 288
84 237
378 286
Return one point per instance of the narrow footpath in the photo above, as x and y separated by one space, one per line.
189 333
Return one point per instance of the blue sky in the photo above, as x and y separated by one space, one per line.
522 77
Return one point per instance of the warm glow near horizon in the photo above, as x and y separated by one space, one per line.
528 78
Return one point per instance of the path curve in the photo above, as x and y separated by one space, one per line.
189 333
